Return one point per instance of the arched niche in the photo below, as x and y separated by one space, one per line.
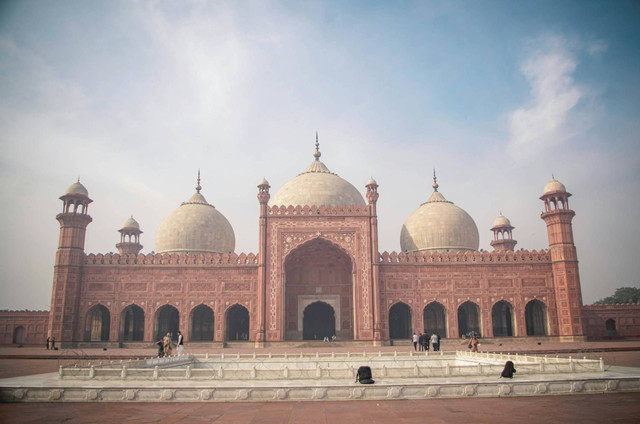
434 317
237 320
468 318
202 324
535 316
318 322
167 321
97 324
502 319
400 321
132 324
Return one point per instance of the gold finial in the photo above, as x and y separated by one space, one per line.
435 181
198 186
317 153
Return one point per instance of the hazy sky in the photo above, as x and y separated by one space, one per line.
134 97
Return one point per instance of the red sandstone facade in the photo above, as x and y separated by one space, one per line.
321 261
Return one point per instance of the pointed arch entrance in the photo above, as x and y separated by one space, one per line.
468 318
318 272
97 324
18 335
132 324
167 321
237 323
400 321
434 318
318 322
502 319
535 315
201 324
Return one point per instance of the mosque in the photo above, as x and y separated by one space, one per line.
317 273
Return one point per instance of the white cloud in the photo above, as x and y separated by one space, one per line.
542 123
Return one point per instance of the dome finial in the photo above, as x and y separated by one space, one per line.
78 178
317 153
198 186
435 181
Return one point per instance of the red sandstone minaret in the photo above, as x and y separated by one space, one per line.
263 199
564 260
502 234
130 236
68 266
372 199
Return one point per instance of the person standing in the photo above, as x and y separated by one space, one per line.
438 336
53 343
415 341
434 341
48 339
474 343
180 343
166 344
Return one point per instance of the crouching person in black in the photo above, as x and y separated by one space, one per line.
508 370
364 375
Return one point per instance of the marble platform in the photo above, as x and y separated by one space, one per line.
302 376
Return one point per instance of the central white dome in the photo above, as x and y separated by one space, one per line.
317 186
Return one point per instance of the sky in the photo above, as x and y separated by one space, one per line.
133 97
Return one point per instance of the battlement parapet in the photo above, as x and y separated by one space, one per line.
306 210
428 257
181 259
612 306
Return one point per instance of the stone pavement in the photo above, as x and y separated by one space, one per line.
550 409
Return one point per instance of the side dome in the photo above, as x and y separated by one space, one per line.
195 227
501 221
439 225
130 224
77 188
317 186
554 186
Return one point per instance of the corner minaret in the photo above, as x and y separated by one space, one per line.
502 235
263 199
564 260
68 266
129 237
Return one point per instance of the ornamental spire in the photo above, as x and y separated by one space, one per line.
435 181
198 186
317 153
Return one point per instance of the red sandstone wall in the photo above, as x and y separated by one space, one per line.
183 281
626 316
33 322
451 279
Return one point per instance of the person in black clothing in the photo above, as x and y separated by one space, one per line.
48 340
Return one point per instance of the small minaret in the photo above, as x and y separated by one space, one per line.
263 199
372 199
564 260
67 273
129 237
502 235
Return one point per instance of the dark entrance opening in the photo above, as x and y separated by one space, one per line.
611 327
318 321
468 318
97 325
435 319
167 321
400 321
202 324
535 315
18 335
502 318
132 320
237 323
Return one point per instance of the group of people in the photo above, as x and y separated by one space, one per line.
51 343
424 340
165 346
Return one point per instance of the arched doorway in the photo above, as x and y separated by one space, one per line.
201 324
434 318
400 321
318 322
611 327
97 324
502 319
132 324
237 323
18 335
167 321
318 271
468 318
535 316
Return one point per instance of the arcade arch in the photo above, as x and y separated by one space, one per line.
319 321
535 316
502 319
132 324
434 317
468 318
202 322
18 335
318 271
97 324
237 323
167 321
400 321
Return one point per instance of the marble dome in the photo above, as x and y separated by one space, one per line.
553 186
501 221
131 224
317 186
195 227
77 188
440 225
